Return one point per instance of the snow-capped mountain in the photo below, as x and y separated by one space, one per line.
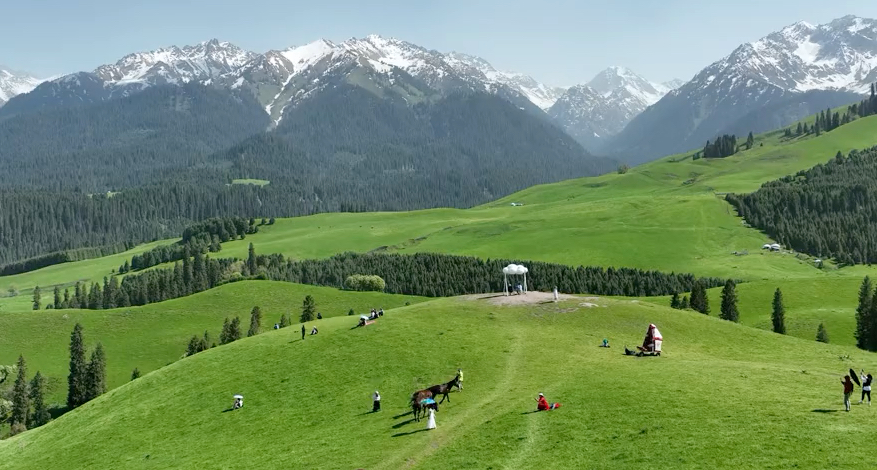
543 96
787 72
283 78
601 108
15 83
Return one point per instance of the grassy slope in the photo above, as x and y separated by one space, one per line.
151 336
722 396
647 218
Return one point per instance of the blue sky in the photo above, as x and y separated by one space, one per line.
560 42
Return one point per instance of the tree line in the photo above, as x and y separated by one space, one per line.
203 237
827 120
723 146
866 317
827 211
422 274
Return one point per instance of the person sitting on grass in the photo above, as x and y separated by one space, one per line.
542 404
314 331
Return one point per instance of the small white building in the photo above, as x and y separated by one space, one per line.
775 247
766 246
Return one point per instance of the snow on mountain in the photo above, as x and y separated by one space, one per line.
790 69
541 95
201 62
601 108
14 83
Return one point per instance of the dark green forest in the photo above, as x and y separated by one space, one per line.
828 211
143 168
425 274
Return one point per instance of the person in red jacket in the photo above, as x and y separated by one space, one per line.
848 390
542 404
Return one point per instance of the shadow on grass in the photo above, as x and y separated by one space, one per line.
402 415
530 412
400 434
227 410
403 423
820 410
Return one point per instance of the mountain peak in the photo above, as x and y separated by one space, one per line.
14 82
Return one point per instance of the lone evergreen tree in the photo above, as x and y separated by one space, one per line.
224 334
20 399
97 373
135 374
821 333
674 301
699 300
255 322
76 381
193 347
778 315
729 302
41 414
684 303
37 300
234 330
750 141
284 320
308 307
251 260
57 297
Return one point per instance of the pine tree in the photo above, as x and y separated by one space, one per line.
251 260
729 302
76 381
234 330
822 333
224 334
205 341
37 300
20 398
674 301
799 130
699 300
863 315
684 305
284 320
255 322
97 373
778 315
135 374
750 141
308 309
192 347
66 302
57 297
41 414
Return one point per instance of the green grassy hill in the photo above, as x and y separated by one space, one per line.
722 396
666 215
152 336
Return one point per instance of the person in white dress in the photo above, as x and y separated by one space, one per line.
555 293
430 423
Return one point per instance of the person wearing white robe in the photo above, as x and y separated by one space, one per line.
430 423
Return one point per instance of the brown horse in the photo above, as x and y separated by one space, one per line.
444 389
416 407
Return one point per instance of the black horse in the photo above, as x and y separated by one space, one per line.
444 389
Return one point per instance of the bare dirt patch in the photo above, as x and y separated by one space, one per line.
529 298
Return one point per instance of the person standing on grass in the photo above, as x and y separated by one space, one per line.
377 402
460 379
302 331
848 390
866 387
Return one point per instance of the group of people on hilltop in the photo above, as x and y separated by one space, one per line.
848 388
